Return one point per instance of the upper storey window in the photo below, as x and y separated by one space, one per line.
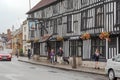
118 12
99 16
55 9
70 4
84 2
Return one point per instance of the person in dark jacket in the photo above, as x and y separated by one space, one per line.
97 55
52 54
29 54
60 55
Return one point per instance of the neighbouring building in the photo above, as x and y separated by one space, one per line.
26 40
9 39
1 44
79 26
17 40
4 40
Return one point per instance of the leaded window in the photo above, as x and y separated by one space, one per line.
32 33
109 16
75 47
59 20
55 27
69 4
84 20
99 17
118 12
84 2
69 23
43 14
55 9
100 44
87 19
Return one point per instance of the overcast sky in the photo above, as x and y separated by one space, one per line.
13 12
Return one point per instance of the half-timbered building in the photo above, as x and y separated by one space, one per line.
62 23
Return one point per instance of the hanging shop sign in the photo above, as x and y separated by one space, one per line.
74 37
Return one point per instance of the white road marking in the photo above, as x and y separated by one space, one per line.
13 76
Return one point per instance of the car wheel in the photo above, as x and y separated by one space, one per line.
111 75
10 60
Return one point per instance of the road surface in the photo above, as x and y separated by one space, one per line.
16 70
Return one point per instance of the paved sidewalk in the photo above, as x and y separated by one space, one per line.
64 67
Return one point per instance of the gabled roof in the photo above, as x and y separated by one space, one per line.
41 4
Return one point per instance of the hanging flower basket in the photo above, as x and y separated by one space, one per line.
36 40
85 36
104 35
28 41
59 38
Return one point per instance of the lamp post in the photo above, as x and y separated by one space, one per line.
29 4
74 59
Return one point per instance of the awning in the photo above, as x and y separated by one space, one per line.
46 37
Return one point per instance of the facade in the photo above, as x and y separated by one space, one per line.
9 39
4 40
1 44
17 40
64 22
26 44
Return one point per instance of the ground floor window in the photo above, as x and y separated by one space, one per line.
75 47
55 45
119 44
112 47
37 48
42 49
100 44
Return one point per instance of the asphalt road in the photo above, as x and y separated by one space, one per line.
16 70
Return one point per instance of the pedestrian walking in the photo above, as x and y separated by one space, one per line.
29 54
52 54
97 55
17 53
60 55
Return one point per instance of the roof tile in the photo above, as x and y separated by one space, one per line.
41 4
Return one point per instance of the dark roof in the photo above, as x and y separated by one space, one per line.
41 4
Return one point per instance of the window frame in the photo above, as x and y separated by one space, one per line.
99 16
55 26
69 4
101 45
69 23
118 12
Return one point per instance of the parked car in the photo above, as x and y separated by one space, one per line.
5 55
113 68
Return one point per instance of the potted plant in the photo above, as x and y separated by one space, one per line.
85 36
59 38
104 35
36 40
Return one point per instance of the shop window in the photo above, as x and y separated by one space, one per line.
100 44
75 47
113 43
